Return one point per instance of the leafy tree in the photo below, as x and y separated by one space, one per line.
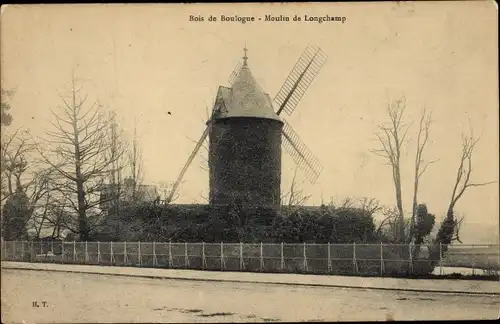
424 223
16 213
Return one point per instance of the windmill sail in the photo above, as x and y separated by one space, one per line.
192 156
299 79
188 162
301 155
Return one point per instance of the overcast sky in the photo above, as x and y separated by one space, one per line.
146 60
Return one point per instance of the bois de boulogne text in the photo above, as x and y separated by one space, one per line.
267 18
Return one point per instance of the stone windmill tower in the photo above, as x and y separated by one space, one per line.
246 135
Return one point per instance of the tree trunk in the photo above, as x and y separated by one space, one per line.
82 218
399 202
9 183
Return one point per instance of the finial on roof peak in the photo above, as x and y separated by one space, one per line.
245 57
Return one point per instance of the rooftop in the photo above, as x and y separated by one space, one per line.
245 98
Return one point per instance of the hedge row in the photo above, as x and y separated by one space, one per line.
209 223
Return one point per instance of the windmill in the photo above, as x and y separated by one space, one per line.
246 135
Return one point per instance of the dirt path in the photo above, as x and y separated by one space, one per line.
72 297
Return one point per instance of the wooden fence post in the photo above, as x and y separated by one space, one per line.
329 259
305 257
261 257
186 257
154 255
382 269
222 256
440 258
473 264
98 253
242 265
62 252
354 263
139 256
410 259
170 259
86 253
31 251
74 251
203 261
125 257
112 257
282 263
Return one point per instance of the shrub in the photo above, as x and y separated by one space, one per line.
323 225
231 224
16 213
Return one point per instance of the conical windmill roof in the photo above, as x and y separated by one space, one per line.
245 98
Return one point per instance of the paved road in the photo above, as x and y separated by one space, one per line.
73 297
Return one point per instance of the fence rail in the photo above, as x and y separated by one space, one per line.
357 259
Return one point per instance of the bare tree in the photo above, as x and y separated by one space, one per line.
391 138
420 164
464 171
22 173
39 219
135 162
389 227
115 151
345 203
389 221
370 205
5 116
295 196
15 149
455 236
164 190
450 226
76 150
112 192
5 120
57 217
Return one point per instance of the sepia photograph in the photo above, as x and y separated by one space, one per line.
249 162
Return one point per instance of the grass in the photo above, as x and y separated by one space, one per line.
478 257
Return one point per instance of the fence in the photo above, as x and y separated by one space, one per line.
357 259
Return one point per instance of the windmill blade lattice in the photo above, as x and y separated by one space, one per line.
301 155
299 79
188 162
